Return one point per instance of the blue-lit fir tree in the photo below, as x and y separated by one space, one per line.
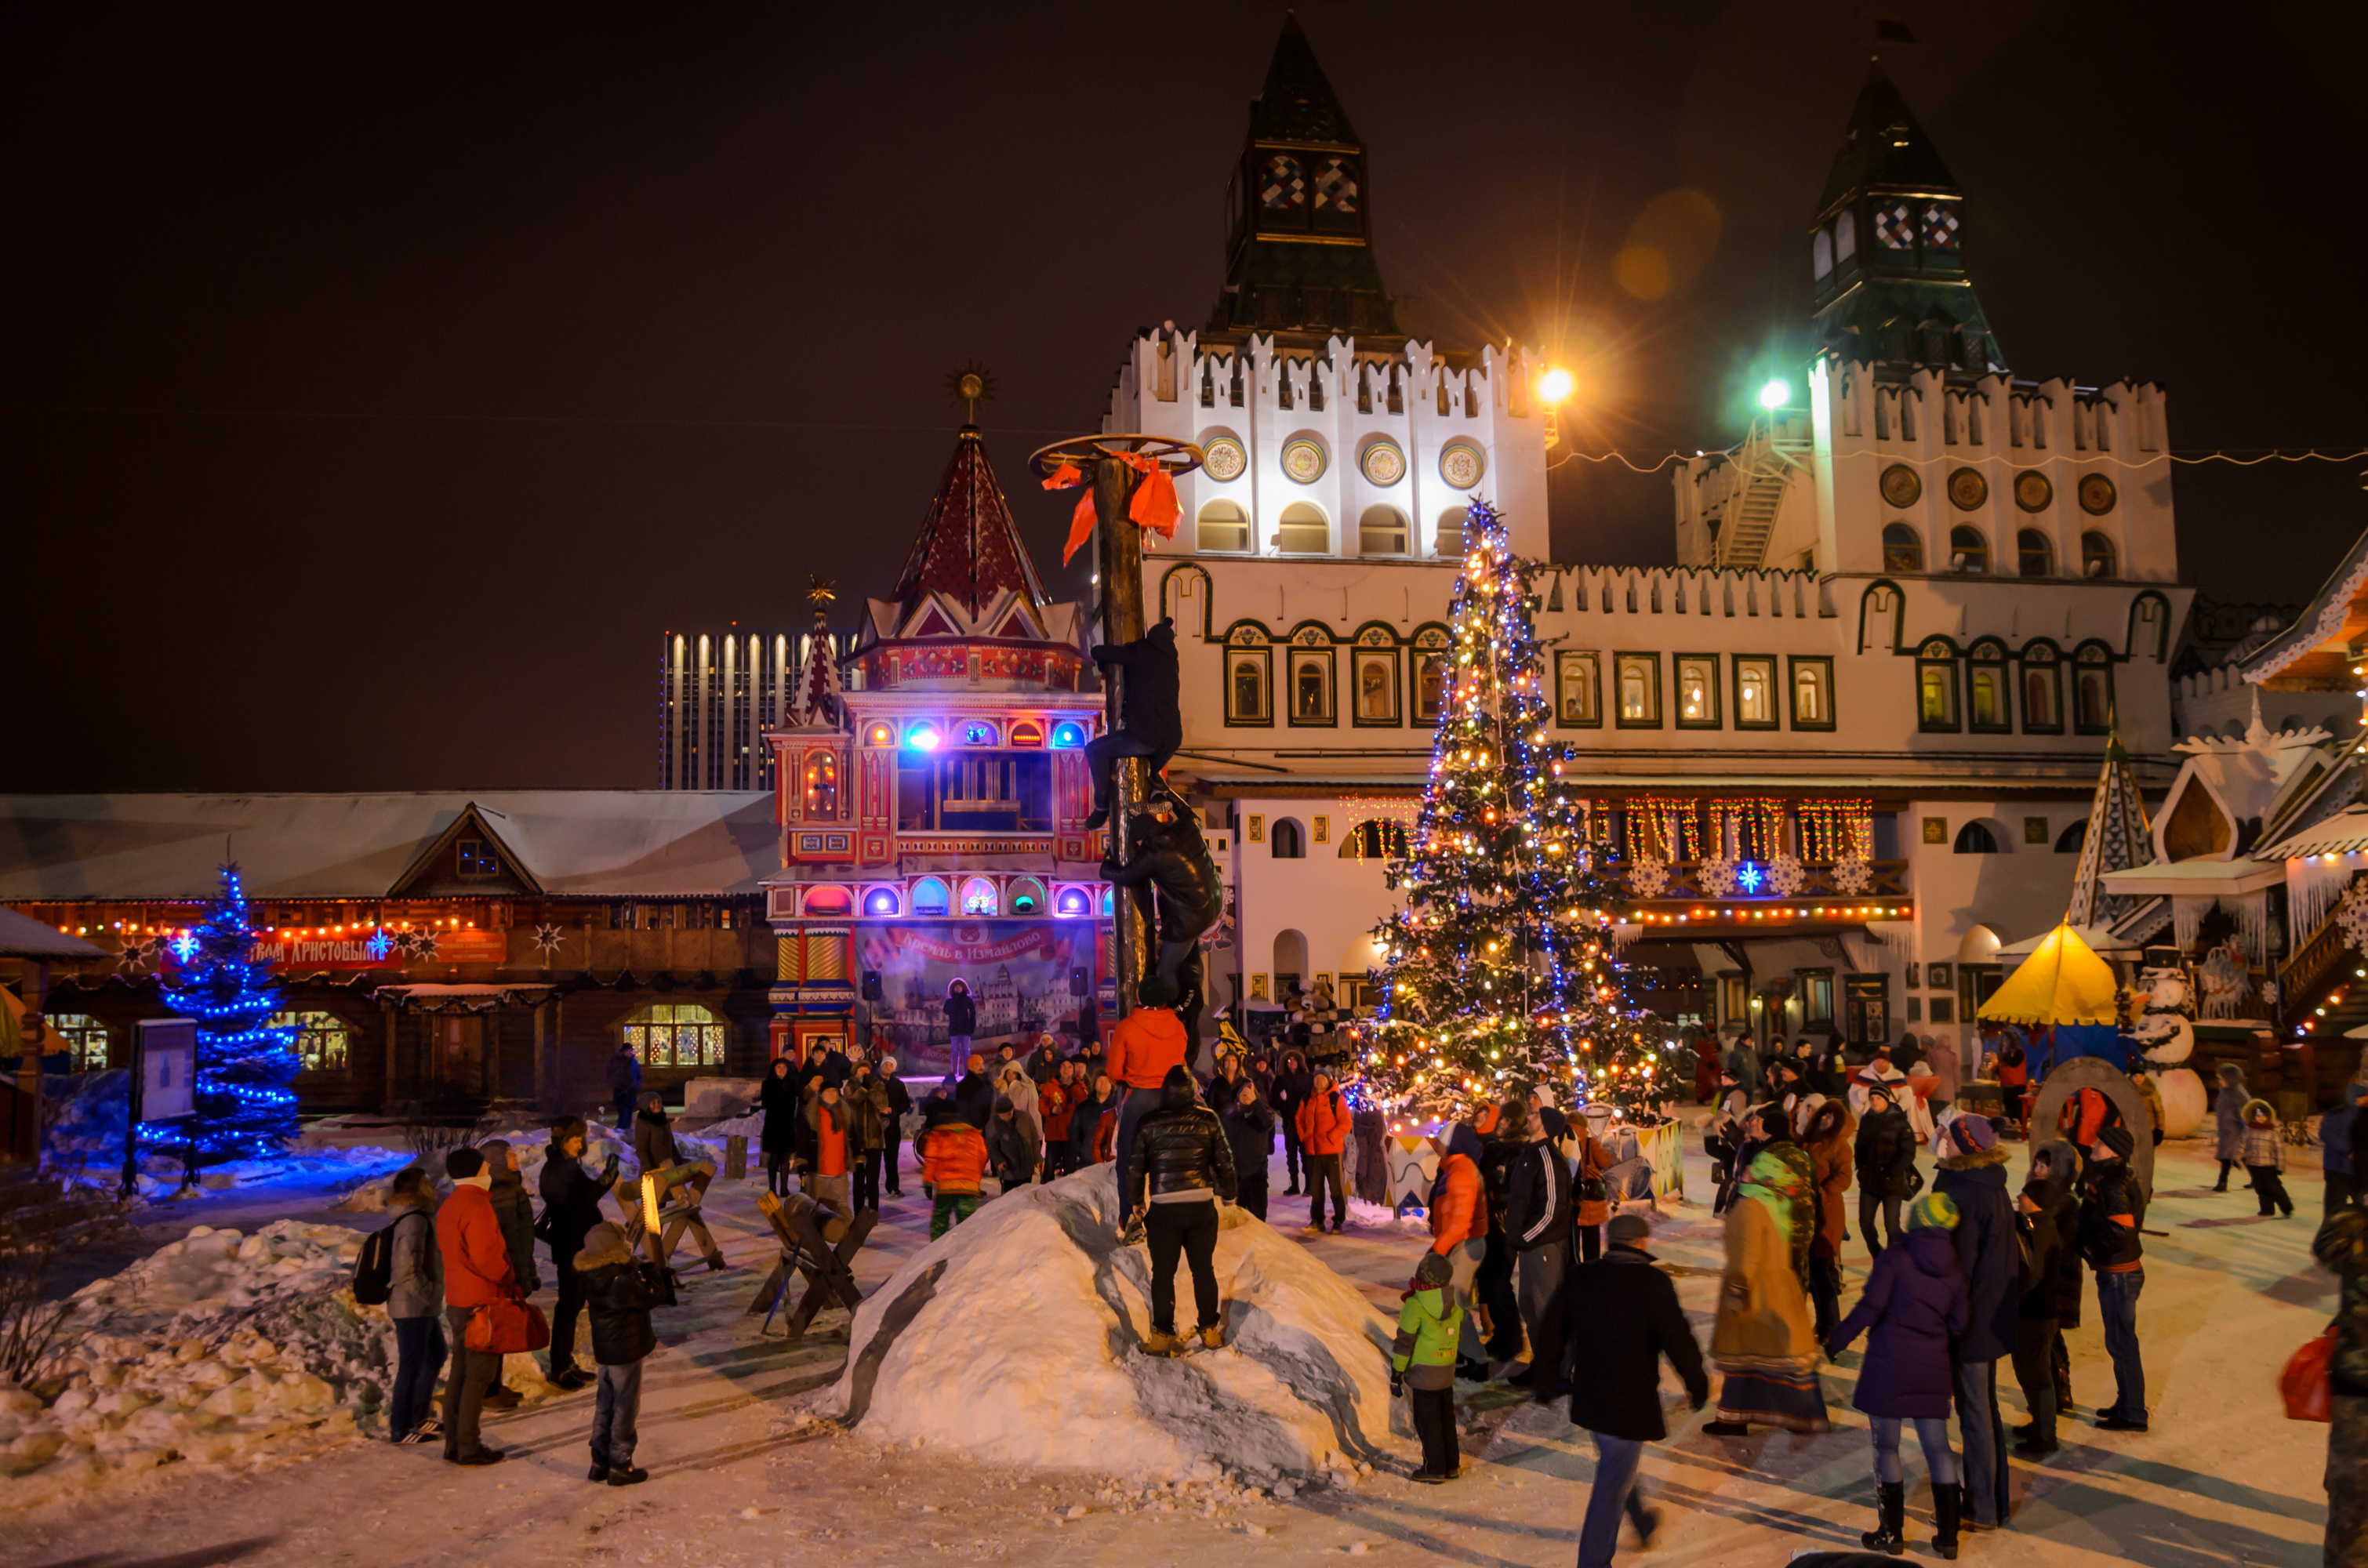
1501 972
244 1061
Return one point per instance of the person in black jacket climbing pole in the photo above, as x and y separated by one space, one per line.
1151 725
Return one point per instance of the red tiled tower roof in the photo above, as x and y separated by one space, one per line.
969 549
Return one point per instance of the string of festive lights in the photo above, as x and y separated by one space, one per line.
244 1107
1501 972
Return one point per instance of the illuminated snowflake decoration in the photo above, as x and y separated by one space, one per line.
138 955
547 939
379 946
1750 876
2353 915
1718 878
185 947
1648 877
423 944
1852 874
1786 877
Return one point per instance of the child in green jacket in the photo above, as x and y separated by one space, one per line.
1424 1355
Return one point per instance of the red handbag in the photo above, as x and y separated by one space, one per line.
2308 1380
509 1328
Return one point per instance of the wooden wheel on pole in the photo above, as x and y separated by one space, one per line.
1115 465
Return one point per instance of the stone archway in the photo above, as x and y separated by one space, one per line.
2096 1072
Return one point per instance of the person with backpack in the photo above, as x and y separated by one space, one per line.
402 1268
1422 1358
571 1207
1323 1123
621 1293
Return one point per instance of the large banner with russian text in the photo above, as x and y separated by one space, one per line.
1024 976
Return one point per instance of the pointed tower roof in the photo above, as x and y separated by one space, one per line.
2117 839
1299 254
969 549
815 703
1887 250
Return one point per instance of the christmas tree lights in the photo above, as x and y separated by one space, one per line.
1501 972
244 1108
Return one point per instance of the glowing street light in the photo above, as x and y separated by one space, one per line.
1775 394
1553 388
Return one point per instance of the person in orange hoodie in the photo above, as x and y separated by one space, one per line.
826 1120
1459 1232
477 1273
1146 1043
1323 1139
954 1160
1054 1103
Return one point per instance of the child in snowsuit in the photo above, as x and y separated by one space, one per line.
953 1160
2265 1158
1423 1357
619 1293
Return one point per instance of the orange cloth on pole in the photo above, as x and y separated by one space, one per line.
1154 505
1458 1210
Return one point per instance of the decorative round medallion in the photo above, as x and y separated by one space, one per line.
1901 486
1461 464
2032 492
2096 494
1302 459
1221 458
1967 490
1384 463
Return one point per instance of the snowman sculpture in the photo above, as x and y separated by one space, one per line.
2165 1034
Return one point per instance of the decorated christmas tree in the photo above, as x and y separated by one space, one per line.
1501 970
244 1063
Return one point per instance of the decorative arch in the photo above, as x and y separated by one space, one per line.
1026 897
1286 839
931 897
1178 585
2158 621
1903 547
1883 597
1979 837
980 896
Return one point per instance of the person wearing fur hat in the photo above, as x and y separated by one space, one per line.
2111 1211
477 1273
1763 1340
1973 1177
619 1293
2228 1120
1627 1311
2264 1150
1914 1305
2034 1324
1827 1140
1422 1359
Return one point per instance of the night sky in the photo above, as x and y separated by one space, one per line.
382 381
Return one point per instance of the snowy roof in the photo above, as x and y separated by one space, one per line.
2341 834
22 937
575 843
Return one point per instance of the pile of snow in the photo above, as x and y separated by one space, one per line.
215 1347
1017 1338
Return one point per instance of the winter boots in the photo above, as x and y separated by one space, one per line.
1948 1506
1890 1534
1159 1342
1212 1339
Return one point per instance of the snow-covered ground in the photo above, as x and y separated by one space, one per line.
739 1476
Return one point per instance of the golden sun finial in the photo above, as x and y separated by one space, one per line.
820 589
969 385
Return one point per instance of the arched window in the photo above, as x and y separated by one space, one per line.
1968 551
1989 704
1303 530
1246 685
2098 557
1072 902
821 785
1975 839
1027 732
880 901
1450 532
1374 840
86 1039
2092 691
1283 841
321 1041
1936 685
827 901
1027 896
2034 556
1382 532
1224 527
2073 839
929 896
677 1034
1902 551
1821 255
979 897
2042 709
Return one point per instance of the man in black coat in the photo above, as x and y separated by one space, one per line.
1166 855
571 1207
975 1094
1181 1162
1294 1085
1249 1132
1151 723
1538 1220
1500 1305
892 1129
1625 1312
2034 1335
1885 1156
2059 1162
1973 1175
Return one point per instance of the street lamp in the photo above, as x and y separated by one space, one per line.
1553 388
1775 394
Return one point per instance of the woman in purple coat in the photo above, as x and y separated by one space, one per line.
1915 1304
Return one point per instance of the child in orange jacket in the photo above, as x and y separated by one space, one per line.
954 1162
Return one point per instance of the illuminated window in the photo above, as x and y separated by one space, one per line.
1754 692
1223 528
321 1041
1813 694
929 896
677 1034
2042 710
1936 685
979 897
1429 683
1246 685
2097 555
879 736
827 901
1579 677
1072 902
1311 685
821 785
1639 677
1027 732
1450 532
1068 735
880 901
86 1039
1989 701
1697 691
